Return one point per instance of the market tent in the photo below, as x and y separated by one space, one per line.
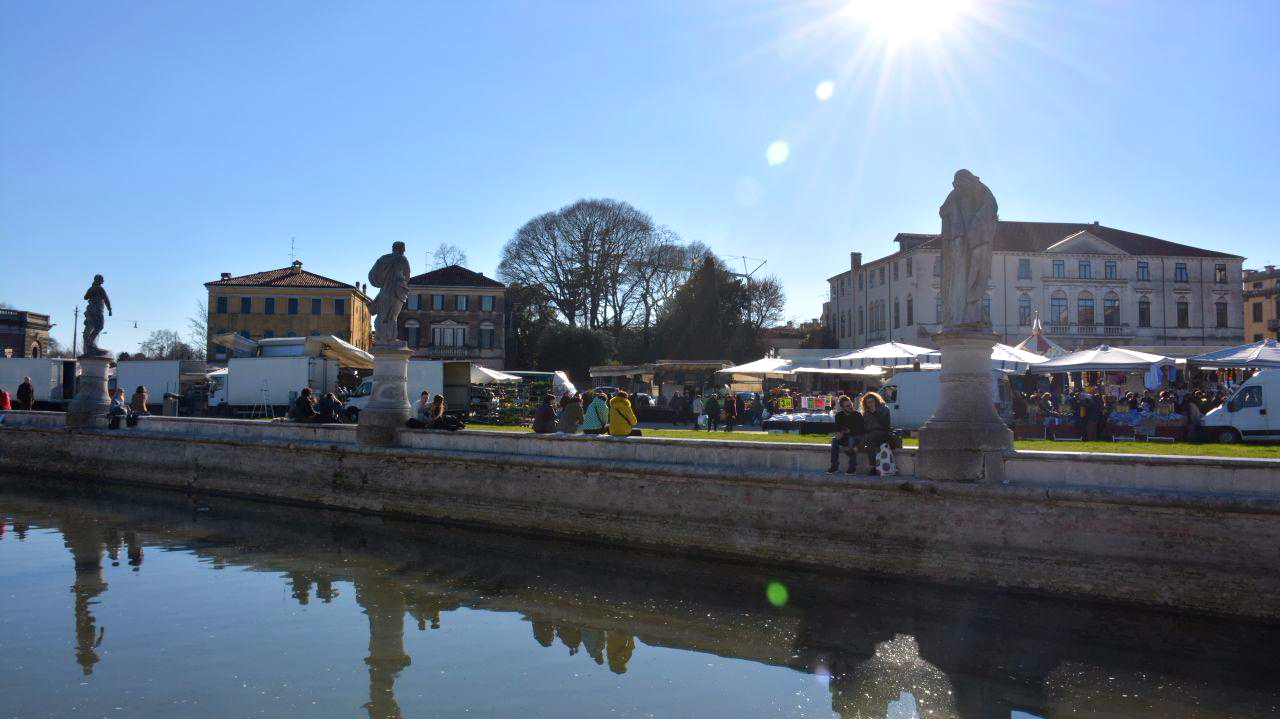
764 366
869 371
1038 343
347 354
484 375
1258 354
1104 358
1012 358
891 354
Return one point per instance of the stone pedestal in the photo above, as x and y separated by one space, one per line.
965 440
90 405
388 407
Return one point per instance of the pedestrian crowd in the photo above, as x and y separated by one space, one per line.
597 414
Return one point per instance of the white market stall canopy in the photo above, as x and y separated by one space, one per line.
869 371
347 354
1012 358
1264 354
891 354
484 375
775 366
1104 358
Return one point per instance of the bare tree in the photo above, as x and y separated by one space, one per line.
765 302
198 329
166 344
447 254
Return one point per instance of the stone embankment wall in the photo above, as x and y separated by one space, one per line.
1188 533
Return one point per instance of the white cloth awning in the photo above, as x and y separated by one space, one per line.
484 375
763 366
1104 358
1012 358
347 354
871 371
1264 354
890 354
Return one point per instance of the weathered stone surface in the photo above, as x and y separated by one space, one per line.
388 407
964 440
89 407
1190 533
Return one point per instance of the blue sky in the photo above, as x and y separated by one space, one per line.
161 143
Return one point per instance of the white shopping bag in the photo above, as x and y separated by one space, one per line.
885 464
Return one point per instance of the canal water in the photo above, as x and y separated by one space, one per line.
120 602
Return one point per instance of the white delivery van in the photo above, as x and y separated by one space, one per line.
1252 414
252 382
53 379
912 397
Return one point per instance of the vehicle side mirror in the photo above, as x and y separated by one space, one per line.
1233 405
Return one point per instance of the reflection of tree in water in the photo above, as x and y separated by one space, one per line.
891 683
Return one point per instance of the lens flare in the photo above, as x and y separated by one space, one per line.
776 593
777 152
825 90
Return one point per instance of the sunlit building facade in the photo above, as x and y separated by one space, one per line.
1090 285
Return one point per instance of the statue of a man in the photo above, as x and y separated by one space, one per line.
390 274
97 299
968 231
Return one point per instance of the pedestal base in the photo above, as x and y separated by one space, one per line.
388 407
90 405
965 440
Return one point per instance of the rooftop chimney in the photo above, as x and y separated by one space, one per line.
1095 223
855 260
297 266
226 275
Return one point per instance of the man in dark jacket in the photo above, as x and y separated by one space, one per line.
848 435
304 408
26 394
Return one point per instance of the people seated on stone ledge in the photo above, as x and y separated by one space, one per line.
544 415
304 407
622 419
877 426
849 431
138 404
329 409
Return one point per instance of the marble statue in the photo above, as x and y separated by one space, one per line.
390 274
968 231
97 299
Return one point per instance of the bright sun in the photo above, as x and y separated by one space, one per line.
905 19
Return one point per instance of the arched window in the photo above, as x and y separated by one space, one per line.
1084 308
896 318
1058 308
35 350
413 333
1144 311
1024 310
1111 310
911 315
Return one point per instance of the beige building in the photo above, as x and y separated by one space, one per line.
1090 284
455 313
1262 304
288 302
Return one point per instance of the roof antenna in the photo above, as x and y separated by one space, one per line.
292 254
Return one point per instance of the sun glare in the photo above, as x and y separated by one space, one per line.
905 19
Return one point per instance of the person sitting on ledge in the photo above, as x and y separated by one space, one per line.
876 425
138 404
4 400
440 420
596 417
849 430
304 407
544 416
327 410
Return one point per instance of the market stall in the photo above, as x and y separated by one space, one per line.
1100 368
890 354
1257 355
1038 343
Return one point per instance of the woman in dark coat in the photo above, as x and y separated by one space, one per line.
544 417
877 425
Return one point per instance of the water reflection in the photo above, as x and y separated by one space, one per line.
889 649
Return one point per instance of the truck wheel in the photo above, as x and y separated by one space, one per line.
1227 435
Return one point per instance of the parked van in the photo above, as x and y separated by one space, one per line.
1252 414
912 397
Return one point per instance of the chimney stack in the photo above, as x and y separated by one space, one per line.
297 266
226 275
855 260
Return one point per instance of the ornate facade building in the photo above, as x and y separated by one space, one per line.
287 302
1262 304
1090 285
455 313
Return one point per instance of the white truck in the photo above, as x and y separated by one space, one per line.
161 377
451 379
912 397
1252 414
53 379
255 383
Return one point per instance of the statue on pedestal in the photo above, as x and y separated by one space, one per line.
97 299
968 232
390 274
